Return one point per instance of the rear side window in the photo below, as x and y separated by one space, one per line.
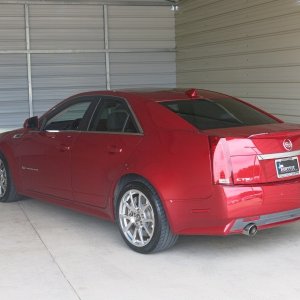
219 113
113 116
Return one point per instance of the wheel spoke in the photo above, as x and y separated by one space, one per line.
147 230
134 235
128 226
132 200
130 207
148 221
144 207
141 203
141 236
125 217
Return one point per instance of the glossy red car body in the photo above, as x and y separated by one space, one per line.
211 182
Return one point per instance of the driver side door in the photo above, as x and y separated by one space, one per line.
45 153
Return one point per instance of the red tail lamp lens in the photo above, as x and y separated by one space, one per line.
221 164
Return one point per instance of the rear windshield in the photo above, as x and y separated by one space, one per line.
218 113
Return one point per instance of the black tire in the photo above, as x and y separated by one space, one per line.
8 191
143 236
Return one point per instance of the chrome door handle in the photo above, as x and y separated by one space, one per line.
114 149
64 148
17 136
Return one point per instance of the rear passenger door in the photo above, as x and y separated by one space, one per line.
99 155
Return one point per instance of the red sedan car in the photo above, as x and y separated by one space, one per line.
159 163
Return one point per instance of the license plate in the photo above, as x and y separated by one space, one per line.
287 167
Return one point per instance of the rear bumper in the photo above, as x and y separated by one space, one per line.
265 221
231 208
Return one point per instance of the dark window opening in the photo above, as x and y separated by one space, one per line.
69 118
113 116
218 113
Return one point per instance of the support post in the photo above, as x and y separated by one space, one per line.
28 54
106 46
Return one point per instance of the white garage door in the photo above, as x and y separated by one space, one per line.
51 51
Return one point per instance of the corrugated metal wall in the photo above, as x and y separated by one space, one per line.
250 49
70 48
139 30
59 75
13 71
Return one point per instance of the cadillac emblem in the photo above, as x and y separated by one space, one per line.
287 144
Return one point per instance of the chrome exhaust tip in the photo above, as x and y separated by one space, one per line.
250 230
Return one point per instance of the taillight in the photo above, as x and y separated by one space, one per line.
221 163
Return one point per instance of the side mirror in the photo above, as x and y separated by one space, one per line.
31 123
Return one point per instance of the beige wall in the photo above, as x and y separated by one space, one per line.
249 49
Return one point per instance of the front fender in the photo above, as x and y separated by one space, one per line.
8 145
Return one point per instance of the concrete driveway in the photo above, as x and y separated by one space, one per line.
48 252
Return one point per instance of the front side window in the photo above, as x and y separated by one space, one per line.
113 115
218 113
69 118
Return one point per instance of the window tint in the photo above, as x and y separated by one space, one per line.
113 116
219 113
69 118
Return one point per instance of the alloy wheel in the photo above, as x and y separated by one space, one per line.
137 218
3 179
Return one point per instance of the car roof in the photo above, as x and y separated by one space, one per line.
158 94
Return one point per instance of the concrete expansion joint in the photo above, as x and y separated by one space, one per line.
22 208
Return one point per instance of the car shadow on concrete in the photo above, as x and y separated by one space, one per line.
45 215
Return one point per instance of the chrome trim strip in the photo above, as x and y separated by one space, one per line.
30 169
115 133
288 215
93 114
278 155
17 136
99 132
137 122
